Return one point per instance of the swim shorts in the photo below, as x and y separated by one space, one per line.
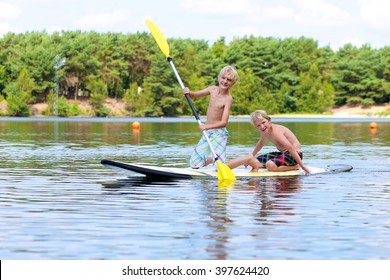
279 158
218 138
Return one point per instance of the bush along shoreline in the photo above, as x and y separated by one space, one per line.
111 107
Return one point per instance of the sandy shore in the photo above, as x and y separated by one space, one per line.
117 109
382 111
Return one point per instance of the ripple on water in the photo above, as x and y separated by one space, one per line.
58 202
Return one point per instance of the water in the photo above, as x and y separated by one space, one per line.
58 202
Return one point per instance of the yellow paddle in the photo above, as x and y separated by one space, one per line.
224 172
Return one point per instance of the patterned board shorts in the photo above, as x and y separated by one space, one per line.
218 138
279 158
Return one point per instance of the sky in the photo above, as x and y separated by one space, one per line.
331 23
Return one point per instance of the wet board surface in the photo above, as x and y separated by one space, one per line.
210 172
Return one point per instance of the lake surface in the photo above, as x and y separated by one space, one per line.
58 202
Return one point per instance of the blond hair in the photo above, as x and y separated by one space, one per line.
259 115
230 72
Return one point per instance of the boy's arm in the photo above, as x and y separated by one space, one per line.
196 94
259 146
297 158
284 141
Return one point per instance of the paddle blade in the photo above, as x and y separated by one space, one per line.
224 172
159 37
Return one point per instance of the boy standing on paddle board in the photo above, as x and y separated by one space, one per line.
218 113
289 155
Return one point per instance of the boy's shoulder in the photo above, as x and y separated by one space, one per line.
278 127
213 87
282 129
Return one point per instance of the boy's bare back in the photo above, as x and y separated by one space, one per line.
282 138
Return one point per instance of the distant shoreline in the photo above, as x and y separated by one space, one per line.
378 111
117 109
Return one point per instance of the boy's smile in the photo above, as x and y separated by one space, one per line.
262 125
225 82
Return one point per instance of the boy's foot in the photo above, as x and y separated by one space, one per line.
208 161
254 163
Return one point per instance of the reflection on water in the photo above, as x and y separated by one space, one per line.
58 202
274 199
266 205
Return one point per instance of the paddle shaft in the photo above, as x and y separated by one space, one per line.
191 105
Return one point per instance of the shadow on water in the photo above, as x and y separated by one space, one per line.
139 181
141 186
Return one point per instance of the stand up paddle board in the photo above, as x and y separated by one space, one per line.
210 172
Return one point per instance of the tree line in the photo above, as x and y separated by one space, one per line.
279 75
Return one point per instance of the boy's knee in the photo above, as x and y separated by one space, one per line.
252 161
196 163
249 158
271 166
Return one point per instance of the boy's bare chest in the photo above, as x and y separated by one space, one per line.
217 101
275 139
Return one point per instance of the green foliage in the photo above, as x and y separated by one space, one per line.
19 94
50 101
250 95
2 81
140 102
74 109
313 95
98 95
360 76
195 82
278 75
287 103
63 107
